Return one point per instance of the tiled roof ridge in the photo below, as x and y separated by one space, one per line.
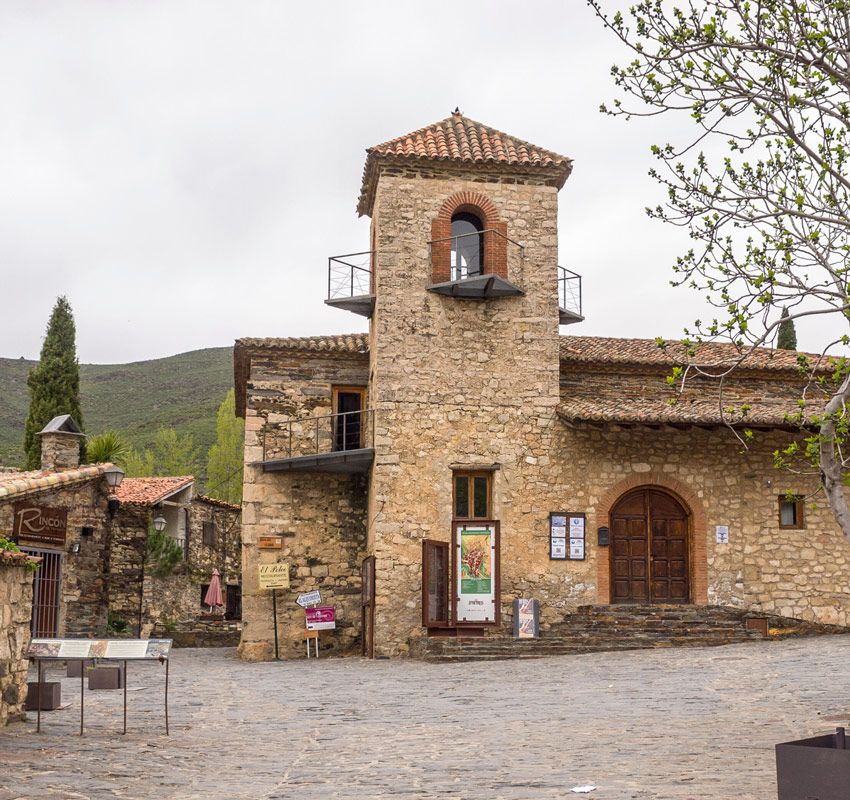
458 138
338 343
17 484
478 149
214 501
625 351
150 490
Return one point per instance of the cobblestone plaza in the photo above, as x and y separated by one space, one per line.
683 723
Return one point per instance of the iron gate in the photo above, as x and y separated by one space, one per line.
47 584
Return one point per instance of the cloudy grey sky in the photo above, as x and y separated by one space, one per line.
182 170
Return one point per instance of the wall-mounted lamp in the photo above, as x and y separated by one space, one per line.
114 475
75 548
768 483
159 524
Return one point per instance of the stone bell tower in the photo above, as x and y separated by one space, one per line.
464 366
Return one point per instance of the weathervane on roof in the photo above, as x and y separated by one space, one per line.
457 111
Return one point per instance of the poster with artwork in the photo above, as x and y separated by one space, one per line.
476 573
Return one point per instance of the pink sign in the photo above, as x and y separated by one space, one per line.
321 618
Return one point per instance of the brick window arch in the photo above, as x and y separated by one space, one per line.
494 239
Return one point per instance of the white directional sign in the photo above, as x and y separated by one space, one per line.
309 599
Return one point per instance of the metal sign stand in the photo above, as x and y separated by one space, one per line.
274 615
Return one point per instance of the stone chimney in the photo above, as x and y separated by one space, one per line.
60 444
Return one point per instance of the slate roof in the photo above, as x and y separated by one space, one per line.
18 484
461 140
150 491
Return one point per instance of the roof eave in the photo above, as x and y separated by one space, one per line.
559 172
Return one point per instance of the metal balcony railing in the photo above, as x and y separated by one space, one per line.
350 275
471 254
318 435
569 295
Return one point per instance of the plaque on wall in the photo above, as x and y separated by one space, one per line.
39 526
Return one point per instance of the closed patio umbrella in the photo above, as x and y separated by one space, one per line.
213 596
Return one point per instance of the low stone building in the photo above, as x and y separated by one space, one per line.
15 600
92 542
463 453
207 530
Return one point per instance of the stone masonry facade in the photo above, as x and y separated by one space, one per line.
487 385
15 600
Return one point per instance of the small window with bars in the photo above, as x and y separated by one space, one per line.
208 531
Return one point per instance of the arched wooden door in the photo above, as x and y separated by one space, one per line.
650 561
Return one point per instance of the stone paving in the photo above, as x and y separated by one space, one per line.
684 723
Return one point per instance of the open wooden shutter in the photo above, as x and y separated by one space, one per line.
436 578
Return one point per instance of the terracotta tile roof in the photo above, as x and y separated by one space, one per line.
600 350
150 491
652 410
340 343
464 141
17 484
214 501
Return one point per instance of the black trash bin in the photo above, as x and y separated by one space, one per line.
814 769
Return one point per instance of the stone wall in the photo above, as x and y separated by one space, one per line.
82 595
15 604
226 552
321 517
172 600
453 381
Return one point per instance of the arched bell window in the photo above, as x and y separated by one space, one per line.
467 246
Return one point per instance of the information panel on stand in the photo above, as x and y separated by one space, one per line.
123 649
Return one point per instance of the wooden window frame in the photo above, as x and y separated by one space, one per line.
799 512
471 474
336 391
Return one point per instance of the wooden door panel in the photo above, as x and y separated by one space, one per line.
649 549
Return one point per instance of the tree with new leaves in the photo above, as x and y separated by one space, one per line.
762 184
171 454
225 457
54 383
786 338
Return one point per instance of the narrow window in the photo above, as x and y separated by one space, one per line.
209 533
349 404
467 246
472 495
790 512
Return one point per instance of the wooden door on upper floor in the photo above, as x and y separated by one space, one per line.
650 561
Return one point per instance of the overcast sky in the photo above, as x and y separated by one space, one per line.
182 170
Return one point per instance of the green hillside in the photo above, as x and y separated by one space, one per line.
182 391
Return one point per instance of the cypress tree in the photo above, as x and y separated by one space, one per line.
54 383
787 337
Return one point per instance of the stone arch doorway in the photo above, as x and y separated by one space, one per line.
650 550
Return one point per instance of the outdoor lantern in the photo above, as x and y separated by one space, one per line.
159 524
114 475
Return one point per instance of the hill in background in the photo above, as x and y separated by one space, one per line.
181 392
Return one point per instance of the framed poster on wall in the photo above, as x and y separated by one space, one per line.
567 536
475 566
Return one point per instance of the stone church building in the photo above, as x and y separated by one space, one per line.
465 452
